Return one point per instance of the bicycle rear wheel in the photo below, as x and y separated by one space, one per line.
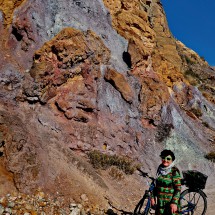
143 207
193 202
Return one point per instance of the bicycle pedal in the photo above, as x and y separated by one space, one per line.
152 211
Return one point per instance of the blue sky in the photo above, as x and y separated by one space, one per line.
193 23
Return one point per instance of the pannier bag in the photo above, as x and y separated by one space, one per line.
194 179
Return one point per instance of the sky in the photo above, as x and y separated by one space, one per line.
193 23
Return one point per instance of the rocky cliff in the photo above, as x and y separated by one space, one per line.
78 76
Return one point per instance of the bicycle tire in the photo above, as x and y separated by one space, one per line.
140 207
196 197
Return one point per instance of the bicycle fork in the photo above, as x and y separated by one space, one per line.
189 207
148 204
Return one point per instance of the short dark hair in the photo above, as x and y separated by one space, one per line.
167 152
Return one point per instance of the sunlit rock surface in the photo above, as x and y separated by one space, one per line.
107 75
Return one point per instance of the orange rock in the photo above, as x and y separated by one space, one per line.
120 83
70 54
8 7
148 34
153 95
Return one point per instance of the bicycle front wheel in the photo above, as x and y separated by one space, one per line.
193 202
143 206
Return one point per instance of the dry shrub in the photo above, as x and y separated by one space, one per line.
163 131
189 60
196 111
191 73
115 173
104 161
210 156
206 124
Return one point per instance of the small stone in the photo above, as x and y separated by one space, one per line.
28 207
11 204
32 99
3 201
57 203
1 210
10 87
8 210
84 197
82 212
13 198
40 195
14 212
73 205
75 211
80 206
42 204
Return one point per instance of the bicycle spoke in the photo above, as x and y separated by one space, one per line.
193 203
141 208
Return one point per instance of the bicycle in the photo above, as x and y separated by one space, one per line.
193 201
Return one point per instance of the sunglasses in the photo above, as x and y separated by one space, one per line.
168 158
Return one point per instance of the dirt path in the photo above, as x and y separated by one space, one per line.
211 200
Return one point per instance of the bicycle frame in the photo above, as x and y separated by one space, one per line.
147 208
148 194
148 204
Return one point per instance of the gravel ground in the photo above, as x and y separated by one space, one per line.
211 200
40 204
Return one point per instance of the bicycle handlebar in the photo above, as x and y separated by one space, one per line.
145 174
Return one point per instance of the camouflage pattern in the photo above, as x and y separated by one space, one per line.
168 189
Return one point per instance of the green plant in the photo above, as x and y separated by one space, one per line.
193 56
190 72
163 131
188 60
192 77
104 161
206 124
196 111
202 57
210 156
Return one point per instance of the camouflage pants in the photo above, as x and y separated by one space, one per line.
165 211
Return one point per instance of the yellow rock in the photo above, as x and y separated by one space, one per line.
8 7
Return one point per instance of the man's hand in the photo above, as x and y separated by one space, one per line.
173 208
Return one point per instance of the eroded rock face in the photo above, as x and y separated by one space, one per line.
71 54
106 75
91 108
